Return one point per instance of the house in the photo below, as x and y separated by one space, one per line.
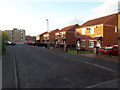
52 36
66 36
98 32
40 38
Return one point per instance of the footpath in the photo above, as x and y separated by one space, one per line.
8 73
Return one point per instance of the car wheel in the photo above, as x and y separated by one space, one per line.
110 53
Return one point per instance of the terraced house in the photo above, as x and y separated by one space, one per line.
98 32
66 36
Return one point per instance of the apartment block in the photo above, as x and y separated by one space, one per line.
17 35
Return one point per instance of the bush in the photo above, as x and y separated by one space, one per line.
3 48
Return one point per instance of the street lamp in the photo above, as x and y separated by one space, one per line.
47 31
47 25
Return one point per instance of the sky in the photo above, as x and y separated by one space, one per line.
31 15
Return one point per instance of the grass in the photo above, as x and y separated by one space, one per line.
80 52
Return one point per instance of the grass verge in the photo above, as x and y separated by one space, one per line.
80 52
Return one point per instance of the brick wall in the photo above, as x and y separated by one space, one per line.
110 36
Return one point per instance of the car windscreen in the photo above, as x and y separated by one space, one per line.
108 47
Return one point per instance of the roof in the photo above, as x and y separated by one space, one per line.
69 27
53 31
101 20
42 33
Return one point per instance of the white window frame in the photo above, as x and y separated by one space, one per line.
92 43
116 29
92 30
83 31
82 44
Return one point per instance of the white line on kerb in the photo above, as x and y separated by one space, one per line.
92 64
102 83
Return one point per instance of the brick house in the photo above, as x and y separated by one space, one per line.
66 36
98 32
40 38
50 36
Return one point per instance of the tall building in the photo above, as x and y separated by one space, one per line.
17 35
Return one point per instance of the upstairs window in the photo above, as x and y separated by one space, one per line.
83 31
61 34
91 30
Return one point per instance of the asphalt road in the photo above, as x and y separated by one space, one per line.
35 67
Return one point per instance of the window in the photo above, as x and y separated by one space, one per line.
61 42
83 31
82 43
115 29
91 30
61 34
91 44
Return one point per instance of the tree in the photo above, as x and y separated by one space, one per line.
4 36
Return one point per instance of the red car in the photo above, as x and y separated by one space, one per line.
111 50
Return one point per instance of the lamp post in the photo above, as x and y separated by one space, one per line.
47 25
47 31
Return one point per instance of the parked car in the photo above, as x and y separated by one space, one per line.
31 43
10 43
111 50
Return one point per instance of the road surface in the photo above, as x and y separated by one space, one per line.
27 66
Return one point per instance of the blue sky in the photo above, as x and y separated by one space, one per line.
32 15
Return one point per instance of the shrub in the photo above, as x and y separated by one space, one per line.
3 48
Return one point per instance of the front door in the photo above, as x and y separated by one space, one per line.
98 44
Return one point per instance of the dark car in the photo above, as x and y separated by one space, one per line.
111 50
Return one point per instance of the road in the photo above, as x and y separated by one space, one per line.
27 66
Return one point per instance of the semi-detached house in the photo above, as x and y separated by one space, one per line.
98 32
66 36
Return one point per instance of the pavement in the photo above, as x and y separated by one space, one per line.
38 67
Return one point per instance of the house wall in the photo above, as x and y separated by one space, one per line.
97 31
70 38
41 38
52 36
110 36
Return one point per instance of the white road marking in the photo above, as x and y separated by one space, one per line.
92 64
102 83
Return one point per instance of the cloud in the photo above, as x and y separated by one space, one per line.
107 8
11 18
